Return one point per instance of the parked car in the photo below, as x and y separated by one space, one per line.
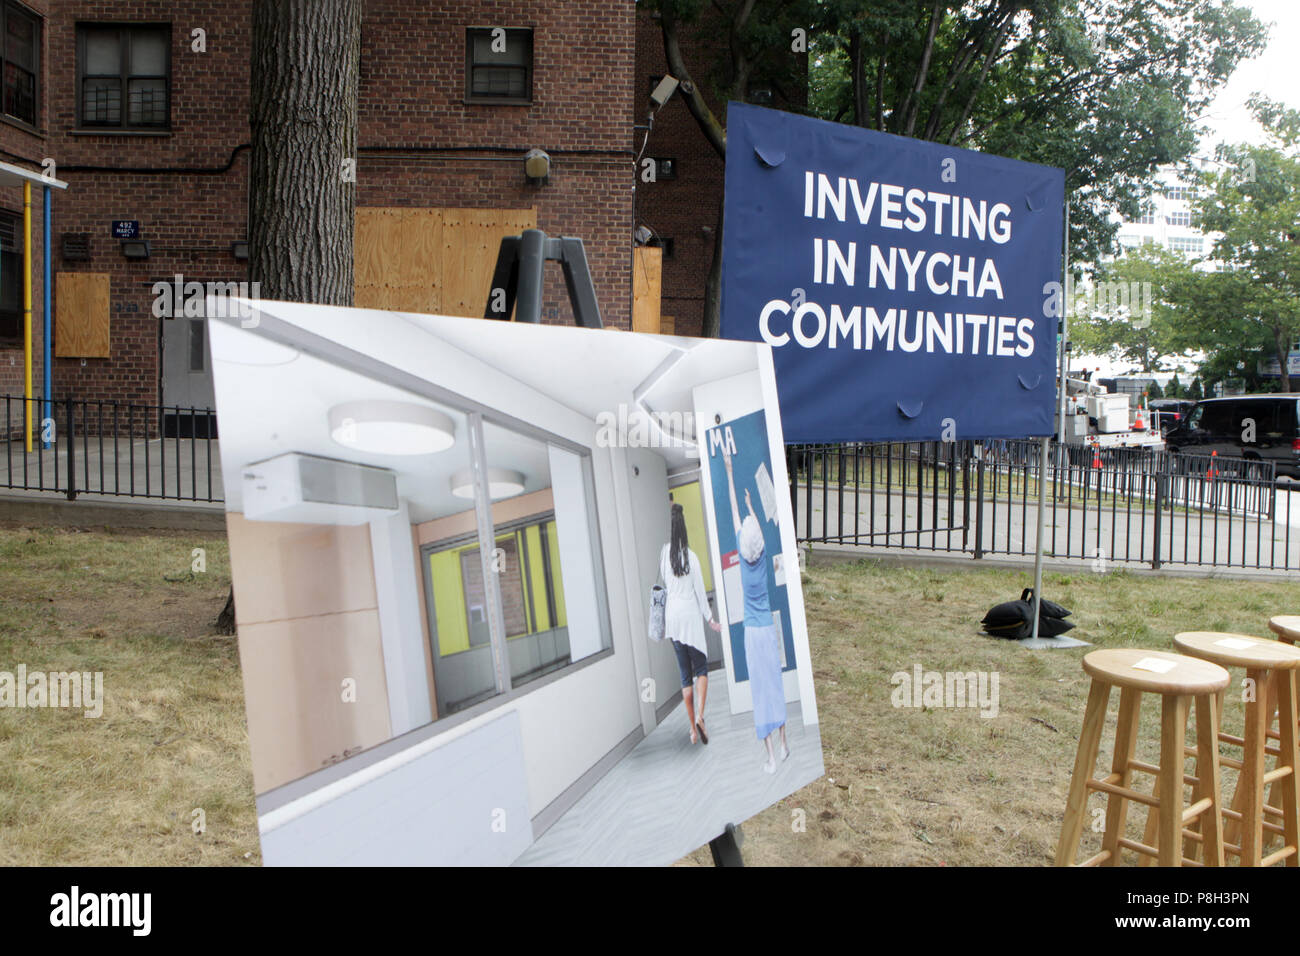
1168 412
1263 427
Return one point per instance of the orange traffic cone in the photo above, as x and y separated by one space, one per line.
1096 456
1139 425
1213 472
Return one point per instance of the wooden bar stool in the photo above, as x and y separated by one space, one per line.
1179 681
1286 627
1271 667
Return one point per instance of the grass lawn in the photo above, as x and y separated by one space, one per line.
903 786
122 789
943 787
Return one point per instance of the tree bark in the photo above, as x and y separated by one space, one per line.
859 80
303 113
714 132
712 325
305 79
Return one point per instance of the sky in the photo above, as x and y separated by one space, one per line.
1275 72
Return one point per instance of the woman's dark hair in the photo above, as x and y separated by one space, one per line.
678 556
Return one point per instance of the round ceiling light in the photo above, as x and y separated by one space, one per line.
391 428
502 483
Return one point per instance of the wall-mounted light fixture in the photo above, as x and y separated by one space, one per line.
502 483
664 91
537 167
135 248
239 249
391 428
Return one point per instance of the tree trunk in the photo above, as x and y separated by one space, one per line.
858 80
305 77
713 288
302 189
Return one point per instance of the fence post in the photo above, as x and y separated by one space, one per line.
979 505
72 454
1159 506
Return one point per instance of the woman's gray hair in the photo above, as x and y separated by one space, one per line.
751 539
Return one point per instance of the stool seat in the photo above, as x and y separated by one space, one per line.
1228 650
1186 677
1286 626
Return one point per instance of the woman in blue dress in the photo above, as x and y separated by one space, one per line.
762 639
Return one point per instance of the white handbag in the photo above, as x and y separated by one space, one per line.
658 607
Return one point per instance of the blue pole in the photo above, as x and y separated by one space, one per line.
47 351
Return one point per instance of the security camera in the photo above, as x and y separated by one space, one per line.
664 91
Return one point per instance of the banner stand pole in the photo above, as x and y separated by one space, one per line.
1060 430
1042 515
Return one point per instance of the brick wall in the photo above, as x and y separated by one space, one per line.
420 144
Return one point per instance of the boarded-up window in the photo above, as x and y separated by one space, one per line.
647 276
81 315
435 261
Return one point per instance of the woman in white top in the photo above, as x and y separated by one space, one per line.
686 610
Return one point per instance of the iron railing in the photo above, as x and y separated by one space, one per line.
980 498
89 446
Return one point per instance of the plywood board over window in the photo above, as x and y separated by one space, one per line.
438 261
647 281
81 315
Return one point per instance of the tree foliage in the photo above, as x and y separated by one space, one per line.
1106 90
1250 306
1132 310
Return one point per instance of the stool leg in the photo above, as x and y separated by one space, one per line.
1251 782
1126 729
1207 773
1173 734
1085 760
1288 787
1274 791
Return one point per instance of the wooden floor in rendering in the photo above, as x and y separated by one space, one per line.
667 797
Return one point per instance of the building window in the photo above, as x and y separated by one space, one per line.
549 595
665 168
1148 217
664 243
124 76
1179 219
22 44
499 65
1178 192
11 281
1186 244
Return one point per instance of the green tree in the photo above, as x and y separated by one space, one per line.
1250 306
1107 91
1131 309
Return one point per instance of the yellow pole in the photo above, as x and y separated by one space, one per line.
27 309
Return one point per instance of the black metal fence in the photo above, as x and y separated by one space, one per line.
981 498
110 448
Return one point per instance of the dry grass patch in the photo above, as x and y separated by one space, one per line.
121 789
947 787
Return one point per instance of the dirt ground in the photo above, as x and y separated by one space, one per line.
934 786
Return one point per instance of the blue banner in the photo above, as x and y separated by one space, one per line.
910 290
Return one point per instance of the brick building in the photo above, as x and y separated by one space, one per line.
144 110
